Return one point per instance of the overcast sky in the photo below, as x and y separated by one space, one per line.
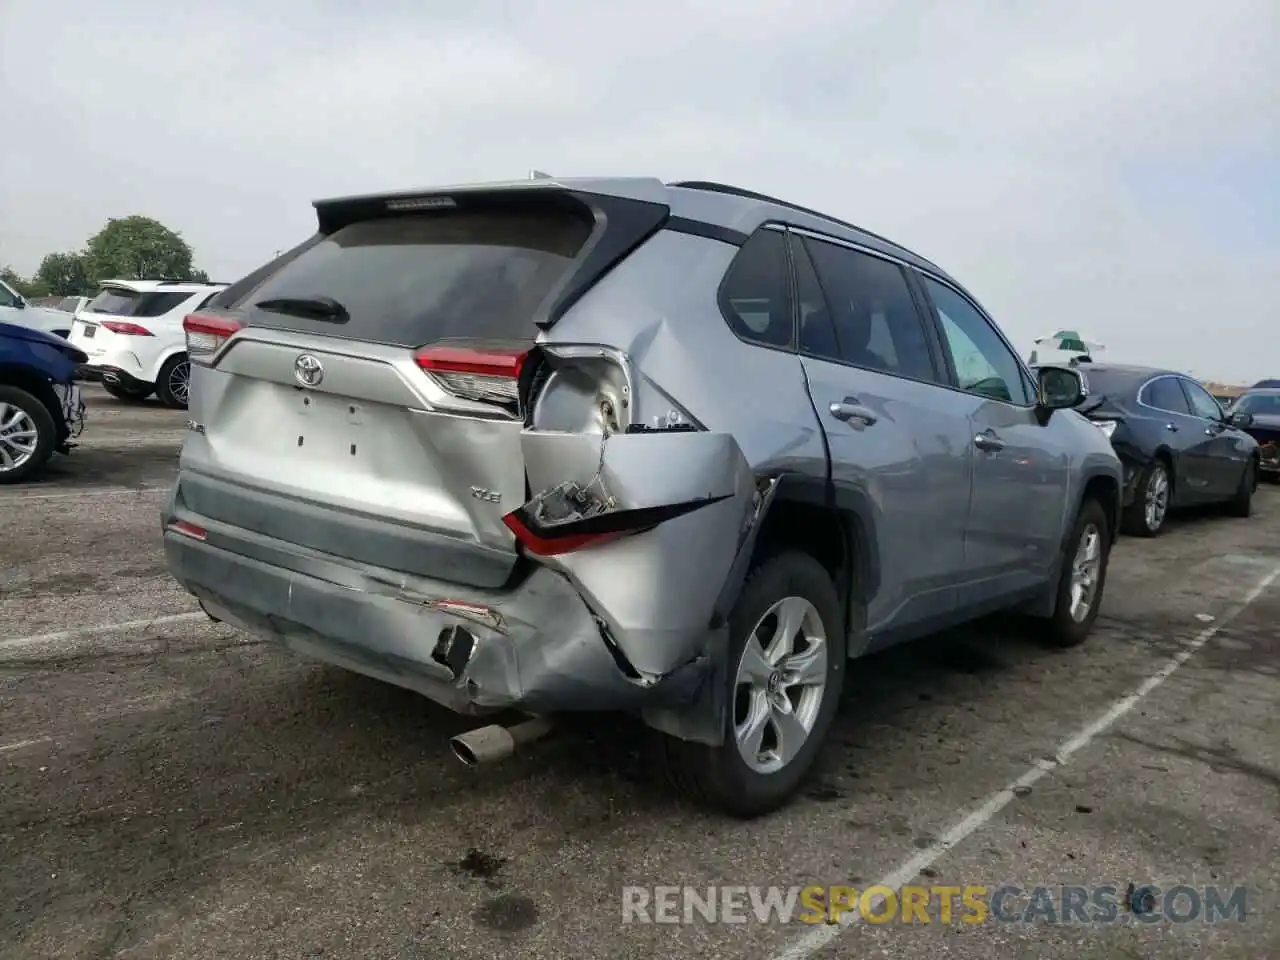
1107 166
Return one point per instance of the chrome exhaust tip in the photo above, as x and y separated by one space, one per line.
496 742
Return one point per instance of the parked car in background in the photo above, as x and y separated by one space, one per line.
41 411
73 305
15 310
1179 448
1261 407
678 450
132 334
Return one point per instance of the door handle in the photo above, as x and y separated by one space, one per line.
1171 427
988 441
1210 432
852 412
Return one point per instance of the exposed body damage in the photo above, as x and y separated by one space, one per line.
623 626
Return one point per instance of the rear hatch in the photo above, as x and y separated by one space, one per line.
366 399
119 312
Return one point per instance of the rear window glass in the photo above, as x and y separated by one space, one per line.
119 302
411 280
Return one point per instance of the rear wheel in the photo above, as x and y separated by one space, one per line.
786 669
173 386
27 435
1241 505
121 392
1083 577
1151 504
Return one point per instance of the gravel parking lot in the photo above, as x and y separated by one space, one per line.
169 788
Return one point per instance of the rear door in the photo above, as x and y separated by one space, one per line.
324 424
1021 466
893 432
1165 401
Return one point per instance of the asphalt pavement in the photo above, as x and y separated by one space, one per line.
170 788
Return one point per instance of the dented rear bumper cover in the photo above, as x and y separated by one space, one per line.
623 626
536 648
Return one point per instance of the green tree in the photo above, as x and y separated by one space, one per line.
64 274
28 288
137 248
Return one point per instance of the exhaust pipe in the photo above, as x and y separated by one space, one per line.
495 742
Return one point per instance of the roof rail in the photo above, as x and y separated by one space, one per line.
712 187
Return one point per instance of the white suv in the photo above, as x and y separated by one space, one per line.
132 333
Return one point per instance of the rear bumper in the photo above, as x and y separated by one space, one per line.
537 647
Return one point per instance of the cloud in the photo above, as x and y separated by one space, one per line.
1076 165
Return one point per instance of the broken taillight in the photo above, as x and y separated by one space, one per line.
482 373
207 333
563 519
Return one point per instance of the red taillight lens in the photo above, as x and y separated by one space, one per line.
128 329
554 546
485 374
188 530
207 333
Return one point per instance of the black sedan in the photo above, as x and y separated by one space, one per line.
1177 445
1262 408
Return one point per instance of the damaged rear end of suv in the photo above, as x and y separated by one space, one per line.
674 450
397 463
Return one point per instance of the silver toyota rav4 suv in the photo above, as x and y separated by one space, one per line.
679 450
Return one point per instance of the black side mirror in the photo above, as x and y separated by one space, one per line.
20 302
1060 388
1240 419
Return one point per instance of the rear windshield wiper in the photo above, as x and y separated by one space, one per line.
321 308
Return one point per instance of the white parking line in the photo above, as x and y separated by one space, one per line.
6 747
83 494
819 937
61 636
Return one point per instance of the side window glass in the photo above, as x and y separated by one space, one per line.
817 331
7 297
205 302
756 294
1202 402
984 364
1164 394
877 325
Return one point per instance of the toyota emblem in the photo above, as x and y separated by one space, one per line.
307 370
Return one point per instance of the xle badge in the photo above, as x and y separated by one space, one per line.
488 496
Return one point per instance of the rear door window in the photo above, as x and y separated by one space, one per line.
877 324
1164 394
412 280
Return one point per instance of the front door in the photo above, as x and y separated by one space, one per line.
1021 465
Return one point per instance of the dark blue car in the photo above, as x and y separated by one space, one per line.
41 410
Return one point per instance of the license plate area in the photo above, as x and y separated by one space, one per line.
330 428
89 330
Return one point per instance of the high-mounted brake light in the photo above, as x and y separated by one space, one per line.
128 329
485 374
207 333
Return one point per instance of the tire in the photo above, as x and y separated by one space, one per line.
1069 626
720 778
1241 505
174 383
25 414
1141 519
128 393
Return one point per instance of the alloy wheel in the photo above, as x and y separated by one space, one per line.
1085 568
180 381
1156 502
18 437
780 683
